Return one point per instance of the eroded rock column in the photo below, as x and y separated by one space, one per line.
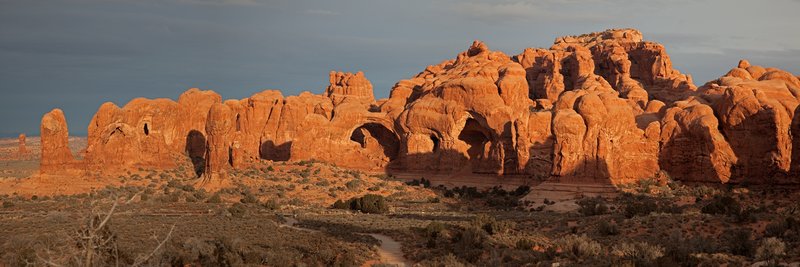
218 147
56 156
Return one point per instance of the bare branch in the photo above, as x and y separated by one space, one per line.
108 216
143 260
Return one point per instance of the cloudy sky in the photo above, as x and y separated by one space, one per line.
77 54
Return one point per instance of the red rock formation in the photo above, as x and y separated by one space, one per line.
597 140
602 107
692 147
56 157
755 110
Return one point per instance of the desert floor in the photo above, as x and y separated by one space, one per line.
280 214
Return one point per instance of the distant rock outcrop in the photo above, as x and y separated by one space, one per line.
22 151
605 107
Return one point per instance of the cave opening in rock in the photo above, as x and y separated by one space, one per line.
146 130
376 137
476 137
196 150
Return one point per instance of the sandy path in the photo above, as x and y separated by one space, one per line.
390 250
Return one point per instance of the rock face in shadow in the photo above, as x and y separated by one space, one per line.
604 107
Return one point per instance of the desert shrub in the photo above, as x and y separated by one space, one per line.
187 188
592 206
434 228
639 253
421 182
680 249
353 184
374 188
8 204
502 201
725 205
323 183
448 260
607 228
173 197
471 243
436 233
642 205
237 210
215 198
342 205
787 228
468 192
738 242
524 244
296 202
491 225
271 204
368 203
579 247
771 249
200 194
248 197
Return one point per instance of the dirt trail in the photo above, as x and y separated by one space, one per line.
390 250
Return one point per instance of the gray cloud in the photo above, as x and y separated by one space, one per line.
515 11
77 54
321 12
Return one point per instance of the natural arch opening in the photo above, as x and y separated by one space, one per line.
196 150
271 151
146 130
436 142
476 137
376 137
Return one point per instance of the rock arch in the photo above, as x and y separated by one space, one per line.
196 150
375 137
476 137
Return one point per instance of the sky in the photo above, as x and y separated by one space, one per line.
77 54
